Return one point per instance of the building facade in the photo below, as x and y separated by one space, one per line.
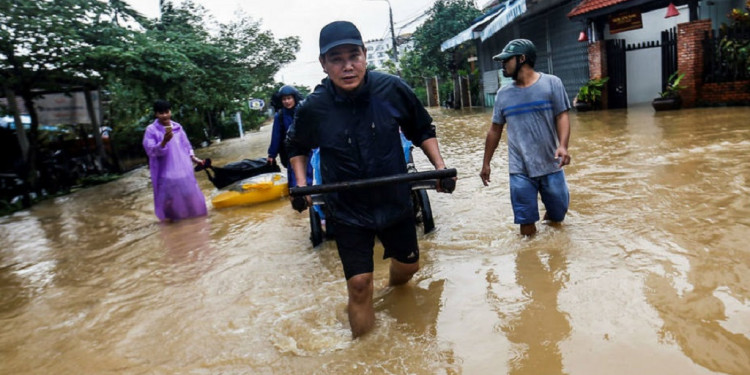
545 23
381 50
636 43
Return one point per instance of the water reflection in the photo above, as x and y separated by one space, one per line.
413 307
12 293
24 260
538 328
693 320
187 242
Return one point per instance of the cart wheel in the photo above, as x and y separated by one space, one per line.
426 210
316 230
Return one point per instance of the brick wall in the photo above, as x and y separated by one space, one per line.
597 60
689 61
598 66
690 58
724 93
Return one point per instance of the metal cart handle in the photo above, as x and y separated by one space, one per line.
444 175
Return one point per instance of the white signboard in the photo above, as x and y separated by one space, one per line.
256 104
61 109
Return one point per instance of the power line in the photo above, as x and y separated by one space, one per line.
416 14
414 20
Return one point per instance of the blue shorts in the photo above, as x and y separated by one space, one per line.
523 196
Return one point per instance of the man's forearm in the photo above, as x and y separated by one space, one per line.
299 165
562 122
432 150
491 142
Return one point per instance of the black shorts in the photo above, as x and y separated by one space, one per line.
356 244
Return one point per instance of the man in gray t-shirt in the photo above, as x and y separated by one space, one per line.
535 108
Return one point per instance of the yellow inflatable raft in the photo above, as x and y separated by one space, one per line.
257 189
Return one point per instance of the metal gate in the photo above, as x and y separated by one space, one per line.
668 55
617 91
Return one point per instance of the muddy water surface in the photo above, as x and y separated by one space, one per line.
649 274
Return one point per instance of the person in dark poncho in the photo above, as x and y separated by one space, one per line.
285 102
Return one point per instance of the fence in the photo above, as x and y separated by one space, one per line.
668 55
723 56
668 46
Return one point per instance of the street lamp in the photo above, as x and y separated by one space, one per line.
393 34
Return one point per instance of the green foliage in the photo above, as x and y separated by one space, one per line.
99 179
736 53
673 86
390 67
591 92
445 89
202 67
421 92
735 46
303 90
446 19
411 68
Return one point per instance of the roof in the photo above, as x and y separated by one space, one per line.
489 23
599 8
587 6
473 31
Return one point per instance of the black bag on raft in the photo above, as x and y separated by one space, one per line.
240 170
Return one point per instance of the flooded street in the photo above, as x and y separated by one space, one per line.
649 274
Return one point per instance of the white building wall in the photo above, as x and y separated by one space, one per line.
379 51
644 65
644 75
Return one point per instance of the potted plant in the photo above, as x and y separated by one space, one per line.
670 98
590 95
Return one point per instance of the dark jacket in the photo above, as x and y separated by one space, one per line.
359 138
281 123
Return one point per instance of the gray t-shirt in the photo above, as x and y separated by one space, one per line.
530 114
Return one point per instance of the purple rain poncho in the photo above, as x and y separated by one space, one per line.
176 192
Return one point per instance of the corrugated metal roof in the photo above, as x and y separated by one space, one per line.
473 32
515 8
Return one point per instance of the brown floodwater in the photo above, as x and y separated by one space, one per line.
649 274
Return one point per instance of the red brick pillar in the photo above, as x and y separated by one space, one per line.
597 60
690 58
598 65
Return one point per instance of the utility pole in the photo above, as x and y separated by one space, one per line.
393 35
393 32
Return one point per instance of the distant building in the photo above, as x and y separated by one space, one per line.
381 50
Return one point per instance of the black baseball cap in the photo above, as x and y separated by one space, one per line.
337 33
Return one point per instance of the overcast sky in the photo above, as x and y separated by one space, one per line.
305 18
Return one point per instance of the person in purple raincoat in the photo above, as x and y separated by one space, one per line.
176 192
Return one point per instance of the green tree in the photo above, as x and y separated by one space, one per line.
57 45
446 19
37 40
224 70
